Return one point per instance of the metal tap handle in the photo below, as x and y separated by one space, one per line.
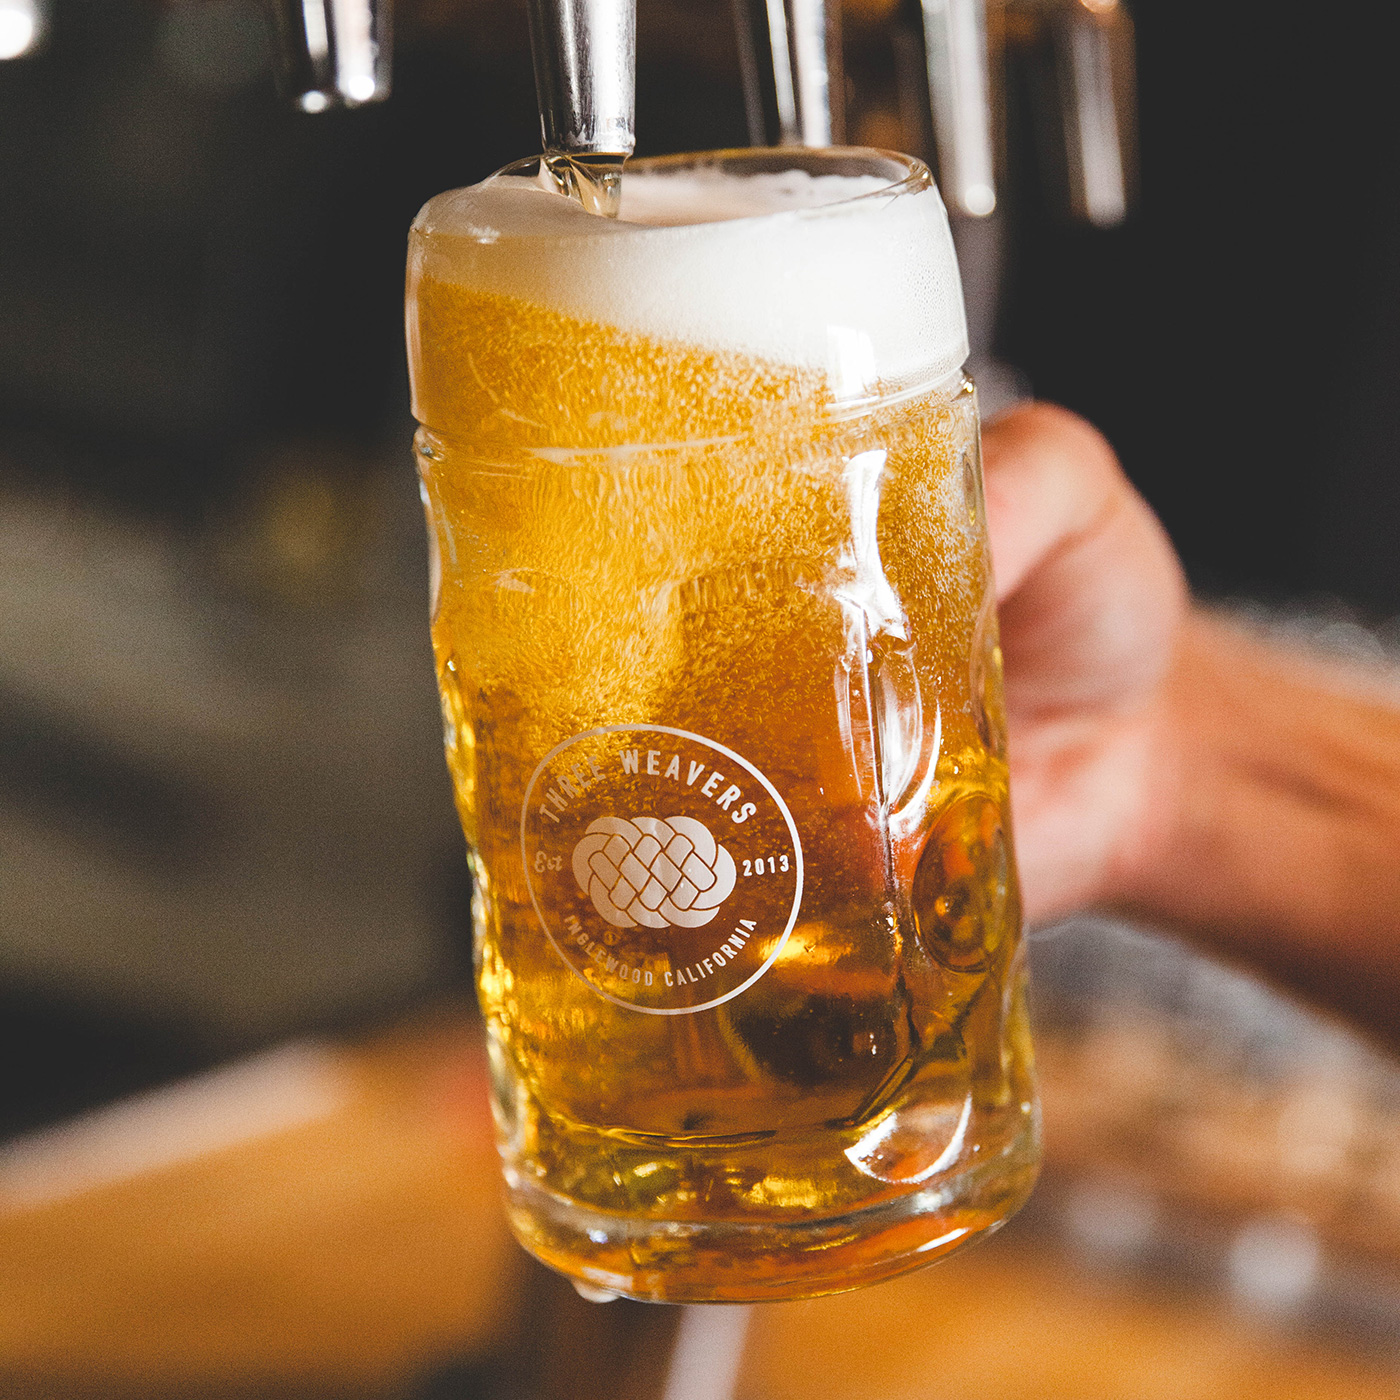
585 54
794 79
332 53
955 50
1096 72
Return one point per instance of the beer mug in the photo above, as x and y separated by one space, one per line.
721 689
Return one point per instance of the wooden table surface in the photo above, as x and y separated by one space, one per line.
324 1220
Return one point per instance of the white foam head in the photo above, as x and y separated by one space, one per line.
852 273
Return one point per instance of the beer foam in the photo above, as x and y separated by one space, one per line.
708 196
850 274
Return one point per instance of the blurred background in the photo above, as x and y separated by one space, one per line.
244 1148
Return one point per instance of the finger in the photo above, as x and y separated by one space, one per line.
1088 584
1049 478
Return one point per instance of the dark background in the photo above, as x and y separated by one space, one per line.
1237 341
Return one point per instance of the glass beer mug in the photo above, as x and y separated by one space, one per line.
717 649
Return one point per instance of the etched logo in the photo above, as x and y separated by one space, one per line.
664 867
653 871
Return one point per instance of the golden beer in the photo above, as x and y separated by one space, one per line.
717 650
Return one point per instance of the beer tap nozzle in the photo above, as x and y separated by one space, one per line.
955 52
585 54
794 79
332 53
1093 42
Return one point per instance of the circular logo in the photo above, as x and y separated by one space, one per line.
665 868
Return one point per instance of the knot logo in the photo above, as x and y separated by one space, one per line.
664 867
653 871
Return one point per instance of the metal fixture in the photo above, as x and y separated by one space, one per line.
1094 73
585 54
794 79
332 53
955 59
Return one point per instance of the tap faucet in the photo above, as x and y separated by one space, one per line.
585 54
332 53
1091 43
954 34
792 70
336 53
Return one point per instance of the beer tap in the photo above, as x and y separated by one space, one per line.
336 53
585 55
952 35
1091 58
793 75
951 57
332 53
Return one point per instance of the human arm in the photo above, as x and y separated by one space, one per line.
1168 765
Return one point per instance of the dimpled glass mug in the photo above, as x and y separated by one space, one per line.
717 648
